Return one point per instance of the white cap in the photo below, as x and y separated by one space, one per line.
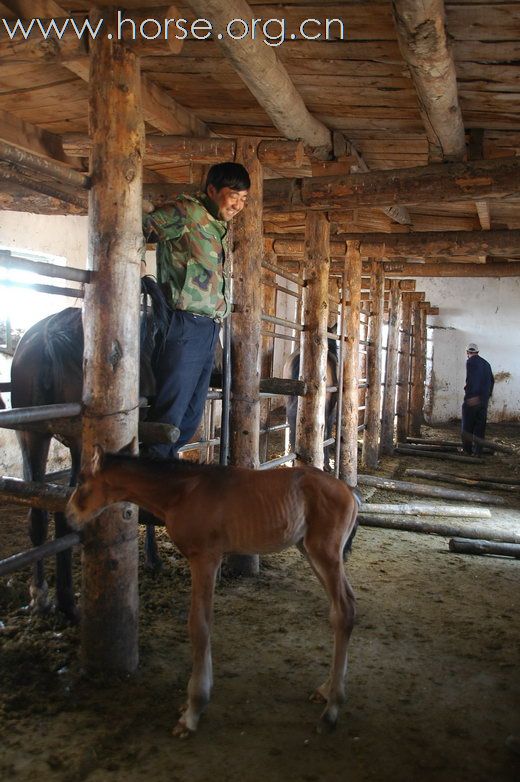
472 348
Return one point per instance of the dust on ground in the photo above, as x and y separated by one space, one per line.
433 683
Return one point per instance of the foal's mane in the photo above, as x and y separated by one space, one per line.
159 465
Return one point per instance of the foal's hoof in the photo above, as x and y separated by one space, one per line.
327 724
154 566
40 601
181 731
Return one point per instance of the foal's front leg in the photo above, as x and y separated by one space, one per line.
203 568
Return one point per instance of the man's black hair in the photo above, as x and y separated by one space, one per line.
232 175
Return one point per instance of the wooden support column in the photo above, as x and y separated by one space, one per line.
268 308
245 334
310 420
350 392
419 369
392 355
375 337
109 628
404 369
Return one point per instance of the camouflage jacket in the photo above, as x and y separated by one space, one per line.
190 254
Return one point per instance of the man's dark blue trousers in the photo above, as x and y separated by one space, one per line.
183 374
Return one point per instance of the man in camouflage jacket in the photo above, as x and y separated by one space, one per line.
190 236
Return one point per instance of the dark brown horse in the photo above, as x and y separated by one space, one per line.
210 511
47 368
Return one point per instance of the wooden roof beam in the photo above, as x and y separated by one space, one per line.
428 244
421 33
508 269
433 184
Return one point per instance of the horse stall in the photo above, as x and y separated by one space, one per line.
381 236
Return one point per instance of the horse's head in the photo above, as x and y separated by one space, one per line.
94 491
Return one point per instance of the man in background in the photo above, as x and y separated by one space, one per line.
477 392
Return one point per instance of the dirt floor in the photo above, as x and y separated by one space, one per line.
433 681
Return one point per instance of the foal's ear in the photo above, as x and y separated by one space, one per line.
96 463
130 448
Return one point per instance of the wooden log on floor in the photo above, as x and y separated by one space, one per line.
447 530
484 547
424 509
477 483
407 450
429 491
489 443
431 446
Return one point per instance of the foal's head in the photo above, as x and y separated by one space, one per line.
94 492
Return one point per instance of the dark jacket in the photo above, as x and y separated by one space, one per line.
479 380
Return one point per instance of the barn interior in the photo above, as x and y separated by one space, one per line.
383 142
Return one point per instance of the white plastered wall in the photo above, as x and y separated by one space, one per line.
482 310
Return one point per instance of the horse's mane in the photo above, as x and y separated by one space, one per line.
182 466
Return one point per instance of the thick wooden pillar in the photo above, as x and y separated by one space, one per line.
246 326
350 391
372 431
403 377
267 352
392 354
310 420
419 369
109 628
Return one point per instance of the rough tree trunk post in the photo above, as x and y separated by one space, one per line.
419 369
269 308
310 420
109 628
375 337
245 335
404 369
350 391
392 355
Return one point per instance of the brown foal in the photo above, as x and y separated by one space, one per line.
210 511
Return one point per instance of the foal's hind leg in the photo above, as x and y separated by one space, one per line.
203 568
35 448
328 566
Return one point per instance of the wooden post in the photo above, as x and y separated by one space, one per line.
375 337
268 308
310 420
246 327
109 628
392 355
404 369
350 392
418 371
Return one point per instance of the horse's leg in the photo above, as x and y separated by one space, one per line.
64 587
327 563
35 449
152 557
203 568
